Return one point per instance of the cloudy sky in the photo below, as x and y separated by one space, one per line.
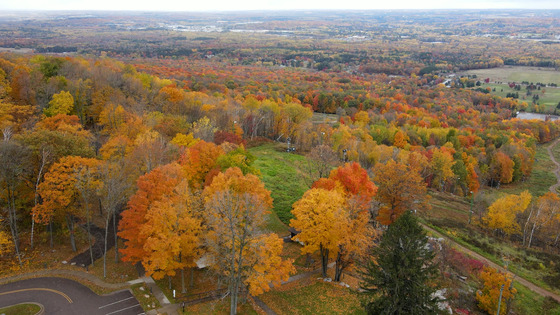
227 5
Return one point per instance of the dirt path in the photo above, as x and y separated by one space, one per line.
523 281
556 172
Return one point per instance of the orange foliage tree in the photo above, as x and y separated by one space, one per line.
400 188
199 161
172 230
152 187
60 194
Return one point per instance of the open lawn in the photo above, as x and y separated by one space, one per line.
282 174
311 296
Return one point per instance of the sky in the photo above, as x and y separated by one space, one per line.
235 5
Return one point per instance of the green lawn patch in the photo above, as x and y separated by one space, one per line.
282 173
541 178
21 309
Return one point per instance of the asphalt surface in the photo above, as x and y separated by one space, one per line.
67 297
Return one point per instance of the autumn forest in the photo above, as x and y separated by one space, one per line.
264 162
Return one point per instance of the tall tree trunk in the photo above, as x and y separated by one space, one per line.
115 237
183 290
13 223
51 233
324 259
526 225
89 231
192 277
13 229
531 237
70 223
105 251
44 156
339 267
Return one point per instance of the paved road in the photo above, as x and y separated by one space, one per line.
67 297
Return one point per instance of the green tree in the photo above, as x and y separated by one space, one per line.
396 278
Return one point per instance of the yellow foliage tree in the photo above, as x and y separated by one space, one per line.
320 217
184 140
489 295
235 209
61 103
502 213
441 164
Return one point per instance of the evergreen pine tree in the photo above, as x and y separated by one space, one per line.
396 278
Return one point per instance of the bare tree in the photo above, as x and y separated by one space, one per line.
13 167
320 161
45 158
113 192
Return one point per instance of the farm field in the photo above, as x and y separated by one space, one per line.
500 77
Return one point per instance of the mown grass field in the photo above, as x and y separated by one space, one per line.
282 173
517 74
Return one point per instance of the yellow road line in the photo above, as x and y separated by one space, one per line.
40 289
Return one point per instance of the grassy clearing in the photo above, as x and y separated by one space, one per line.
313 297
541 178
282 174
21 309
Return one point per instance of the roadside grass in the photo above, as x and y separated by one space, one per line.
310 296
21 309
144 296
282 174
528 302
